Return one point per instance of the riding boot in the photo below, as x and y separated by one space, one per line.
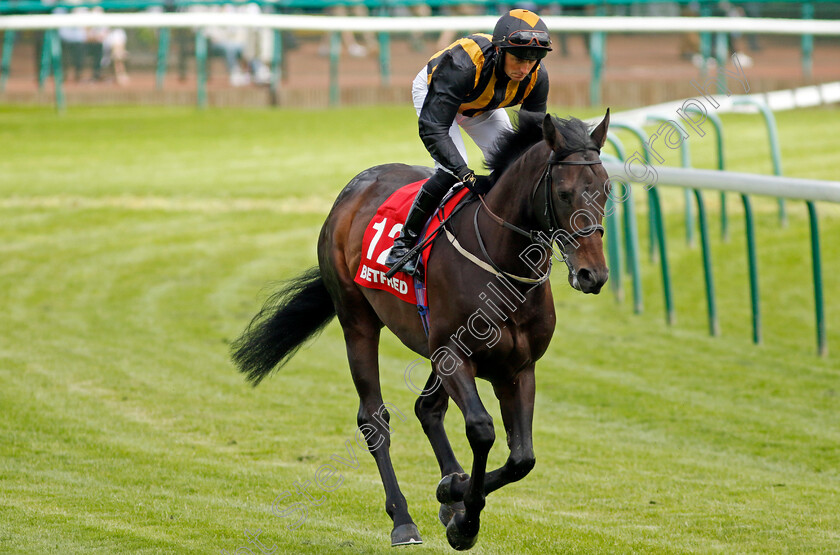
425 202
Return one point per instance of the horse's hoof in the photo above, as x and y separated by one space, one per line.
457 540
405 534
448 511
444 493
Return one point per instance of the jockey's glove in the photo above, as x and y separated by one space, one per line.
478 184
467 177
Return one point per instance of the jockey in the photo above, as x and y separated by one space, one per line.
468 85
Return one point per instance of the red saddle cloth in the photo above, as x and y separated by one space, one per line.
383 229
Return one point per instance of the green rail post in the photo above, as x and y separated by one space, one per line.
721 51
385 58
705 43
657 225
613 228
685 158
631 234
276 66
773 138
598 58
670 314
58 77
277 59
721 165
162 54
613 232
201 68
752 259
631 231
711 304
384 52
46 60
685 161
640 134
601 11
335 53
816 262
596 53
808 44
615 142
6 62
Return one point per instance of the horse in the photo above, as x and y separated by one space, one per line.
549 191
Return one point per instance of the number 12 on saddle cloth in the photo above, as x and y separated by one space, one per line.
379 237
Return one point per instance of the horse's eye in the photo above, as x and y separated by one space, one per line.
565 196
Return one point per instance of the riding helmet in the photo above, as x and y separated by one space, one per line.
523 34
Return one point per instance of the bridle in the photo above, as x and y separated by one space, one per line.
547 220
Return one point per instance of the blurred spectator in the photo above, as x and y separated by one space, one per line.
230 42
348 38
446 37
655 9
258 48
690 42
72 46
752 9
81 44
416 10
109 46
737 44
248 52
114 53
182 38
94 45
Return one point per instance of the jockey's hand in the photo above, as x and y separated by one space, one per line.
478 184
467 177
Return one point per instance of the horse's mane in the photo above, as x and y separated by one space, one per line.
528 131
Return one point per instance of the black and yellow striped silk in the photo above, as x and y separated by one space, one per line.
468 78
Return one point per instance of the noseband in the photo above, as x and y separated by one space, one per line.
547 219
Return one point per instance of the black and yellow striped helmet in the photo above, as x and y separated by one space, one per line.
523 34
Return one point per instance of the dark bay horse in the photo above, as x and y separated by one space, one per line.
491 311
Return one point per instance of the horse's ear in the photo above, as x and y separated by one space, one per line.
599 135
551 135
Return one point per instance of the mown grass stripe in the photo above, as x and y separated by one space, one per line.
129 262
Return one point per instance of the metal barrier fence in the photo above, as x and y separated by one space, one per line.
39 6
713 29
693 181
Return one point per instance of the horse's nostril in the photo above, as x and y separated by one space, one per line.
584 276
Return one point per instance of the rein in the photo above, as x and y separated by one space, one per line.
549 221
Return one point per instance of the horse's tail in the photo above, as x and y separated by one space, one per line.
300 310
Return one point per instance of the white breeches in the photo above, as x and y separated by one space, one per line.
483 129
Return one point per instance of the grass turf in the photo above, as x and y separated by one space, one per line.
136 244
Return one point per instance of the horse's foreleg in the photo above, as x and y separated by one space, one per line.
430 409
374 423
516 400
462 530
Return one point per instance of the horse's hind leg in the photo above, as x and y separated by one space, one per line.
430 409
361 335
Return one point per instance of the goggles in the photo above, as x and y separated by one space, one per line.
528 38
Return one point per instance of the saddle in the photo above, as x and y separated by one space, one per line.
384 228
